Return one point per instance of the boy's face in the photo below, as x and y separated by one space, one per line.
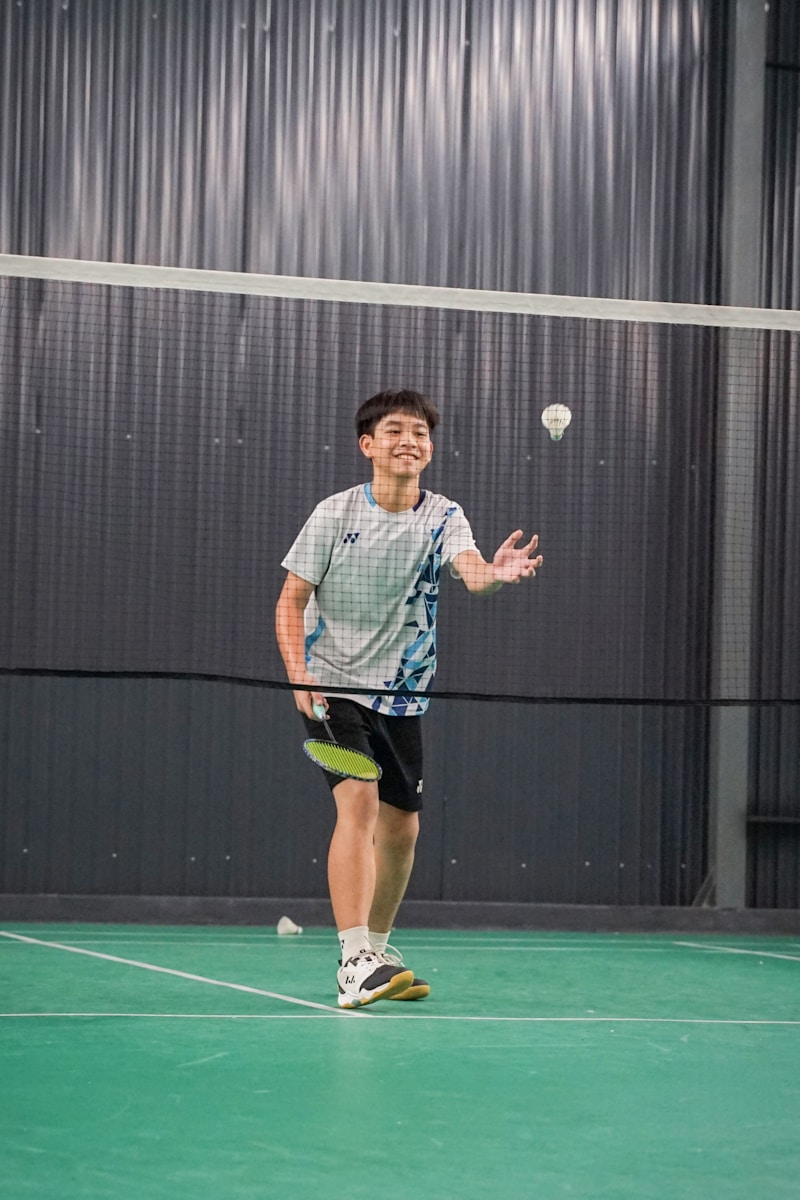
400 447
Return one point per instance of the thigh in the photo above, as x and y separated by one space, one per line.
398 749
350 724
394 742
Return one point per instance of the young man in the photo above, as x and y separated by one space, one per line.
358 610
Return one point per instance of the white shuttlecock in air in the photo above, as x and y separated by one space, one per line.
287 926
556 418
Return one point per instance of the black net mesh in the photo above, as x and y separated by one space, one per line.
162 449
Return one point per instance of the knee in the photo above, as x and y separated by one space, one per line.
398 832
357 805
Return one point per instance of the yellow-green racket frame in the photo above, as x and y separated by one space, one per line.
339 760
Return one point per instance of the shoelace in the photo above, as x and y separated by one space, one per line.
392 956
366 956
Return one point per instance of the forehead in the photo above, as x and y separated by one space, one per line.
402 420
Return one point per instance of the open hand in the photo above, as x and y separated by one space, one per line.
512 563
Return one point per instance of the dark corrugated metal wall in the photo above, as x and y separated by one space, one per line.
774 819
511 144
152 787
162 455
498 144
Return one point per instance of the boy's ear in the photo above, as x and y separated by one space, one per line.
365 444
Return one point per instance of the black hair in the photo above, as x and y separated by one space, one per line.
391 401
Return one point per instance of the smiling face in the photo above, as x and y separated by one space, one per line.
400 447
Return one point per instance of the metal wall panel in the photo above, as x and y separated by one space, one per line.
533 145
154 787
161 451
774 817
774 811
487 143
173 788
781 253
150 489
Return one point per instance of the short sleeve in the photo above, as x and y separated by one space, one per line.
310 555
458 535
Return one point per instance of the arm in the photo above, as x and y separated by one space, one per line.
509 565
290 631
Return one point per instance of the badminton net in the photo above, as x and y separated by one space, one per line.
166 434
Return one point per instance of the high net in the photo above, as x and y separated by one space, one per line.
167 433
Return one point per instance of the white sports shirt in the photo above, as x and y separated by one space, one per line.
371 621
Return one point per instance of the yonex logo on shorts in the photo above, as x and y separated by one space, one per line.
419 787
349 538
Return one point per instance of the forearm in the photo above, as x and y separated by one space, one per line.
479 577
290 632
487 584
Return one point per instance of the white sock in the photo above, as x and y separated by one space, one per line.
354 941
379 940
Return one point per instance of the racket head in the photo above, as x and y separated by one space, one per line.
338 760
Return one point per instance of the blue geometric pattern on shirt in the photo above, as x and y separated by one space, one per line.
311 638
418 661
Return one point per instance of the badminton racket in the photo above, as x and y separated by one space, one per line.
339 760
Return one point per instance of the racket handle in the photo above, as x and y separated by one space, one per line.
319 711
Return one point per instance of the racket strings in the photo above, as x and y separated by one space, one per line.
341 761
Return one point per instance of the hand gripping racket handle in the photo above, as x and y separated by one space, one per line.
319 713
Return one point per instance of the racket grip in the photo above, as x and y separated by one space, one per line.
319 711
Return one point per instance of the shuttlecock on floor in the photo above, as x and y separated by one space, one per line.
287 926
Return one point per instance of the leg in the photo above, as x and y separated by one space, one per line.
396 833
351 858
395 841
364 977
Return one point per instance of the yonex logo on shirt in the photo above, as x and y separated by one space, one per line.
349 538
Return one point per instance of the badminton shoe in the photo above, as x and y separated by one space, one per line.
418 989
369 977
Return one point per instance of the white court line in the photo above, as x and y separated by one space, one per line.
130 962
117 941
739 950
410 1017
600 944
319 936
409 946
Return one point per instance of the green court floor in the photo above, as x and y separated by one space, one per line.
198 1063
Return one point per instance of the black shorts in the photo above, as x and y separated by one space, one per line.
394 742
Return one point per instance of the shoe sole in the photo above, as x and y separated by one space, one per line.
417 991
398 983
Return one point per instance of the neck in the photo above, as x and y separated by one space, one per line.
395 495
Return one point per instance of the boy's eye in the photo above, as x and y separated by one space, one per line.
394 431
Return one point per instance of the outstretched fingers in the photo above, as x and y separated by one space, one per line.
511 543
514 562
